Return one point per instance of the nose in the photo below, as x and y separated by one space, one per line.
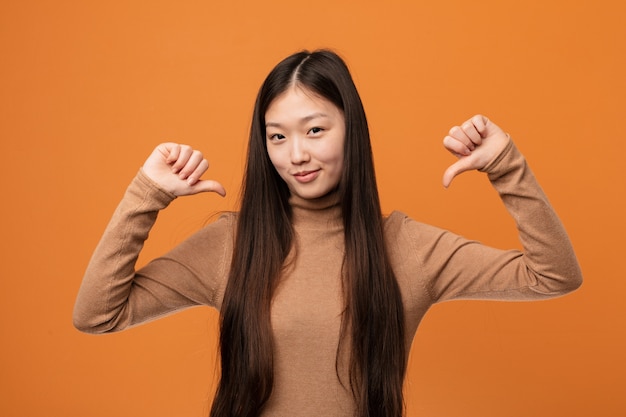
299 151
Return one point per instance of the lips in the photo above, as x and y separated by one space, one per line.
306 176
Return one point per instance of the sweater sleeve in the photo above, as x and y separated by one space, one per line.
457 268
114 296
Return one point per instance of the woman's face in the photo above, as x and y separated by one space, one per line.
305 134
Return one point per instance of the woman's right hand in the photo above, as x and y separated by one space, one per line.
177 168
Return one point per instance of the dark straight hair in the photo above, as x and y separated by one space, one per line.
373 319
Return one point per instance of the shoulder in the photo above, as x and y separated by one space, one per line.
208 251
398 221
395 219
398 230
215 236
402 232
223 223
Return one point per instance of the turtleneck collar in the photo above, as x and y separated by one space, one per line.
322 212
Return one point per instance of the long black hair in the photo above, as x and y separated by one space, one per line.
373 318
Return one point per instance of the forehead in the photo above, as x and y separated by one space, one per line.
300 103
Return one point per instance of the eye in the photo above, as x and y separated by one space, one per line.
315 130
276 136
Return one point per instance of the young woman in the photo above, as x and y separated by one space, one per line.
319 294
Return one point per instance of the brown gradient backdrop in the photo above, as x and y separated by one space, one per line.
87 89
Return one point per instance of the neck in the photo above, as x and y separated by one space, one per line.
324 211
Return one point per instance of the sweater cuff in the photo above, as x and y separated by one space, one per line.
147 187
508 160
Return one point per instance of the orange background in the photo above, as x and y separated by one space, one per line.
87 89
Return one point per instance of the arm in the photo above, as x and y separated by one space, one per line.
460 268
113 295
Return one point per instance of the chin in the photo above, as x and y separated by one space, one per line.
313 194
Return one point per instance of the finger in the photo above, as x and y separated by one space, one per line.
455 169
471 131
480 122
210 186
184 153
195 159
200 169
457 147
170 151
458 133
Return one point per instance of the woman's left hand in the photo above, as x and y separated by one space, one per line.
476 142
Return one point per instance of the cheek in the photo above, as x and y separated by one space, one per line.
272 156
334 154
277 161
334 161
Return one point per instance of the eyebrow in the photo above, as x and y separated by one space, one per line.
304 120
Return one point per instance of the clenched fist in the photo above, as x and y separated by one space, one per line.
476 142
178 169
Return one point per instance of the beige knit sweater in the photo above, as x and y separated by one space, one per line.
431 265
